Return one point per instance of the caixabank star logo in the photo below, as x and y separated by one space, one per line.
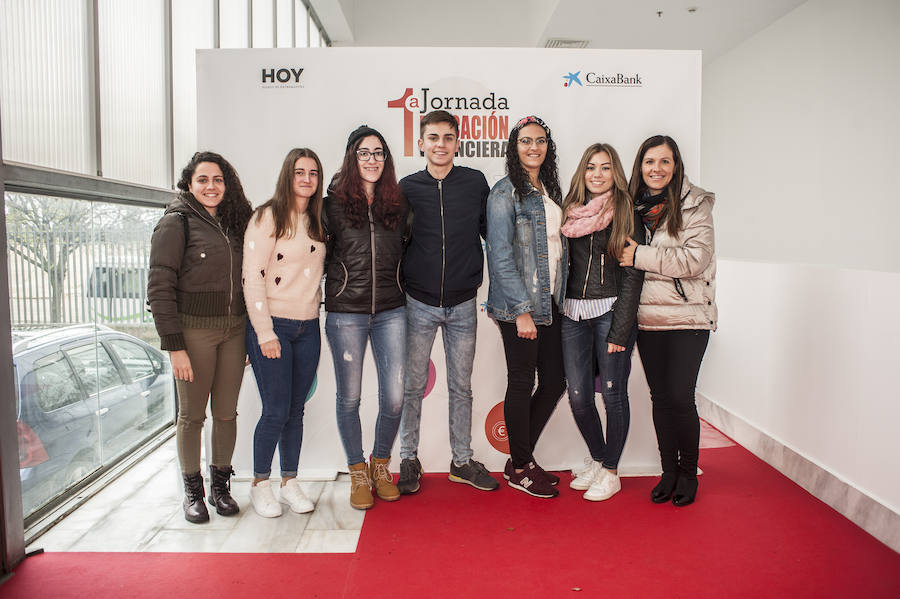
598 79
571 79
483 119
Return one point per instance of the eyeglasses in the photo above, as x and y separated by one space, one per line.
527 141
364 155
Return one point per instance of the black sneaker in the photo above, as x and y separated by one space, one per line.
473 473
532 482
551 478
410 473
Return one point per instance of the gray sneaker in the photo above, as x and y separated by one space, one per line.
410 473
473 473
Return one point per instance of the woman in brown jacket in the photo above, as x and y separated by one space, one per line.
677 309
195 295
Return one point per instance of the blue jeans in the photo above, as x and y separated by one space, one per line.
284 384
347 334
583 340
459 324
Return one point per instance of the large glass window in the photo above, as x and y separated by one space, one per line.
91 382
46 87
133 91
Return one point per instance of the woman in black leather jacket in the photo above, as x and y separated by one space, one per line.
599 312
365 217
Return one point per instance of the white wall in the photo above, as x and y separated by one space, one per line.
799 143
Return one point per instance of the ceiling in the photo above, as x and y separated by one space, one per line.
714 26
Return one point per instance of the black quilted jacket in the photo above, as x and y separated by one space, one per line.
362 266
594 274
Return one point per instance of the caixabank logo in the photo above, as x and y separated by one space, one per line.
281 77
483 120
597 79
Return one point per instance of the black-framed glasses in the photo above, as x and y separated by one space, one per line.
364 155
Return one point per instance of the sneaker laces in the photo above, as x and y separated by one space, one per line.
588 465
479 467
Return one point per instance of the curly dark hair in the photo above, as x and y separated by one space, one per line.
235 210
347 187
549 173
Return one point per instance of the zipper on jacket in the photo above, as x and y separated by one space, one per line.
587 275
443 240
372 242
602 267
230 258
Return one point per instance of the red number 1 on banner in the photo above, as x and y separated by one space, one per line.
407 120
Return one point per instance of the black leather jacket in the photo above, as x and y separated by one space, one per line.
362 266
594 274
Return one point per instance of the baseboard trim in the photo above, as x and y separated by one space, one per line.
866 512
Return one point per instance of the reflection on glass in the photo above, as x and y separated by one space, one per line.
91 383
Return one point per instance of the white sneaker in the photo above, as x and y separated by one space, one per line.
263 500
292 495
585 477
604 487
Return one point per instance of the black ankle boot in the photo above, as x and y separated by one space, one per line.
685 491
220 491
662 492
194 508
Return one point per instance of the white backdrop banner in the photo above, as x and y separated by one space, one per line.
255 105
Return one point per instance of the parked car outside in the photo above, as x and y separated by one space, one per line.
85 395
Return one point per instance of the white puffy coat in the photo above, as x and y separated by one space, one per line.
688 260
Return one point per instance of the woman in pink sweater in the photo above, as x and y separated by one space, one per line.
283 258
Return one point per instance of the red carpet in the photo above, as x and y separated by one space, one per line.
752 533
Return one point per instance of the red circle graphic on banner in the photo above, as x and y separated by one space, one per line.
495 429
432 376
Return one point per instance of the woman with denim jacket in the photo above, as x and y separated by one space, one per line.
598 323
284 252
678 307
527 260
366 220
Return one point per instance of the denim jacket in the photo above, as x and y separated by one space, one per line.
517 256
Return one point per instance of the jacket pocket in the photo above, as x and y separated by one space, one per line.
524 231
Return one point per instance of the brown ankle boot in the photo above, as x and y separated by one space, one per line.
360 487
382 479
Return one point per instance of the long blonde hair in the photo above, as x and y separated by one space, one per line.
623 218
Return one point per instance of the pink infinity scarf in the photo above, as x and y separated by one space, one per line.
583 220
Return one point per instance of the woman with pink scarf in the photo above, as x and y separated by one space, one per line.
599 312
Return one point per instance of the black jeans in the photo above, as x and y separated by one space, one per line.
671 362
527 409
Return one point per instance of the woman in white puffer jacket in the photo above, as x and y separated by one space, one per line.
677 309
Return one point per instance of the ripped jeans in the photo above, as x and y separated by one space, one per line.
348 334
583 341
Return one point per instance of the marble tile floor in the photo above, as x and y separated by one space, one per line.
141 511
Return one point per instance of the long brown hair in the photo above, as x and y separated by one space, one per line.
348 188
623 217
282 202
671 211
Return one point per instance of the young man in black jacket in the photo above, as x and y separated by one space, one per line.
442 269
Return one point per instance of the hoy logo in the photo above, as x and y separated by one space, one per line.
283 75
